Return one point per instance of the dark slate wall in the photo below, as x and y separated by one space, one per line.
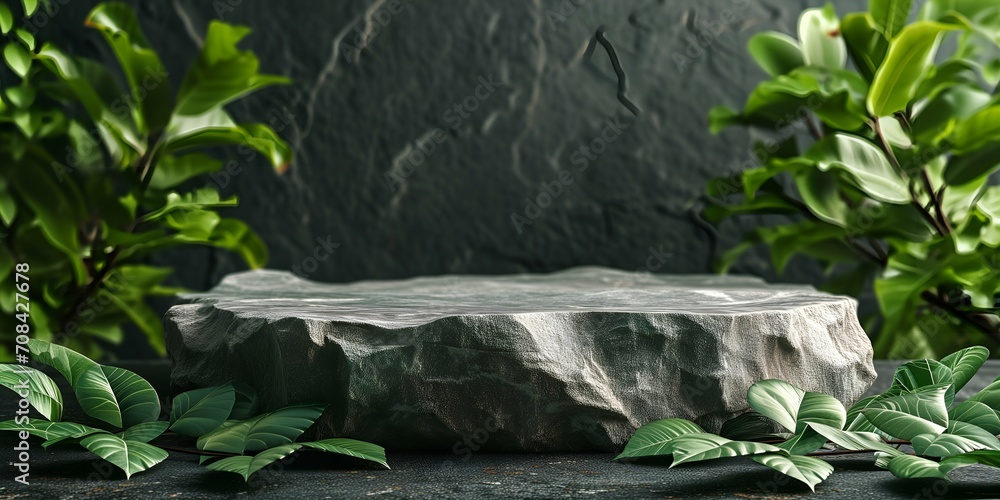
471 107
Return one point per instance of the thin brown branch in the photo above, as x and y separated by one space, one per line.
936 199
950 308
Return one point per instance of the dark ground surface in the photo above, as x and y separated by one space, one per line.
67 473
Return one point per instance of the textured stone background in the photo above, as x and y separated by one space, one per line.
354 116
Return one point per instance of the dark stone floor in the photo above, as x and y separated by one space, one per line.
67 473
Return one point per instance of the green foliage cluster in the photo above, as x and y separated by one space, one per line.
92 176
917 410
892 187
232 434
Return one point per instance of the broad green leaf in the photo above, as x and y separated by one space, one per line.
820 192
205 197
900 425
990 396
890 15
949 108
776 53
809 470
865 44
652 439
704 446
26 38
216 128
855 420
790 406
195 413
351 448
749 426
910 467
174 170
6 18
30 6
247 403
858 441
973 166
129 456
41 391
965 363
146 75
974 433
943 445
984 457
144 432
865 165
246 466
114 395
262 432
49 430
976 413
981 15
18 58
835 95
911 53
978 130
921 374
235 235
819 36
222 72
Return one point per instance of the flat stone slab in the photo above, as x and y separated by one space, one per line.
568 361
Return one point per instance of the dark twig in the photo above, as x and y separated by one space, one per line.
616 64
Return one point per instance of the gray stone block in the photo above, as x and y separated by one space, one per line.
574 360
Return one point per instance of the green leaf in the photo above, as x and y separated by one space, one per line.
351 448
704 446
195 413
990 396
809 470
900 425
30 6
721 117
865 165
974 433
652 439
943 445
910 467
836 96
858 441
6 18
978 130
215 128
928 403
260 433
974 166
222 72
246 466
949 108
749 426
890 15
129 456
235 235
910 56
819 36
776 53
921 374
984 457
855 420
820 192
965 363
790 406
42 391
865 44
114 395
144 432
49 430
199 199
146 75
174 170
247 403
976 413
18 59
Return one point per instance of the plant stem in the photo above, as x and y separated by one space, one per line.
933 299
877 127
942 219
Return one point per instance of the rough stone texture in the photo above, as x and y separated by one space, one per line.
574 360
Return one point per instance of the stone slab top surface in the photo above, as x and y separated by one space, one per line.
412 302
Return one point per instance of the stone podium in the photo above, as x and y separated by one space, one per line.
573 360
